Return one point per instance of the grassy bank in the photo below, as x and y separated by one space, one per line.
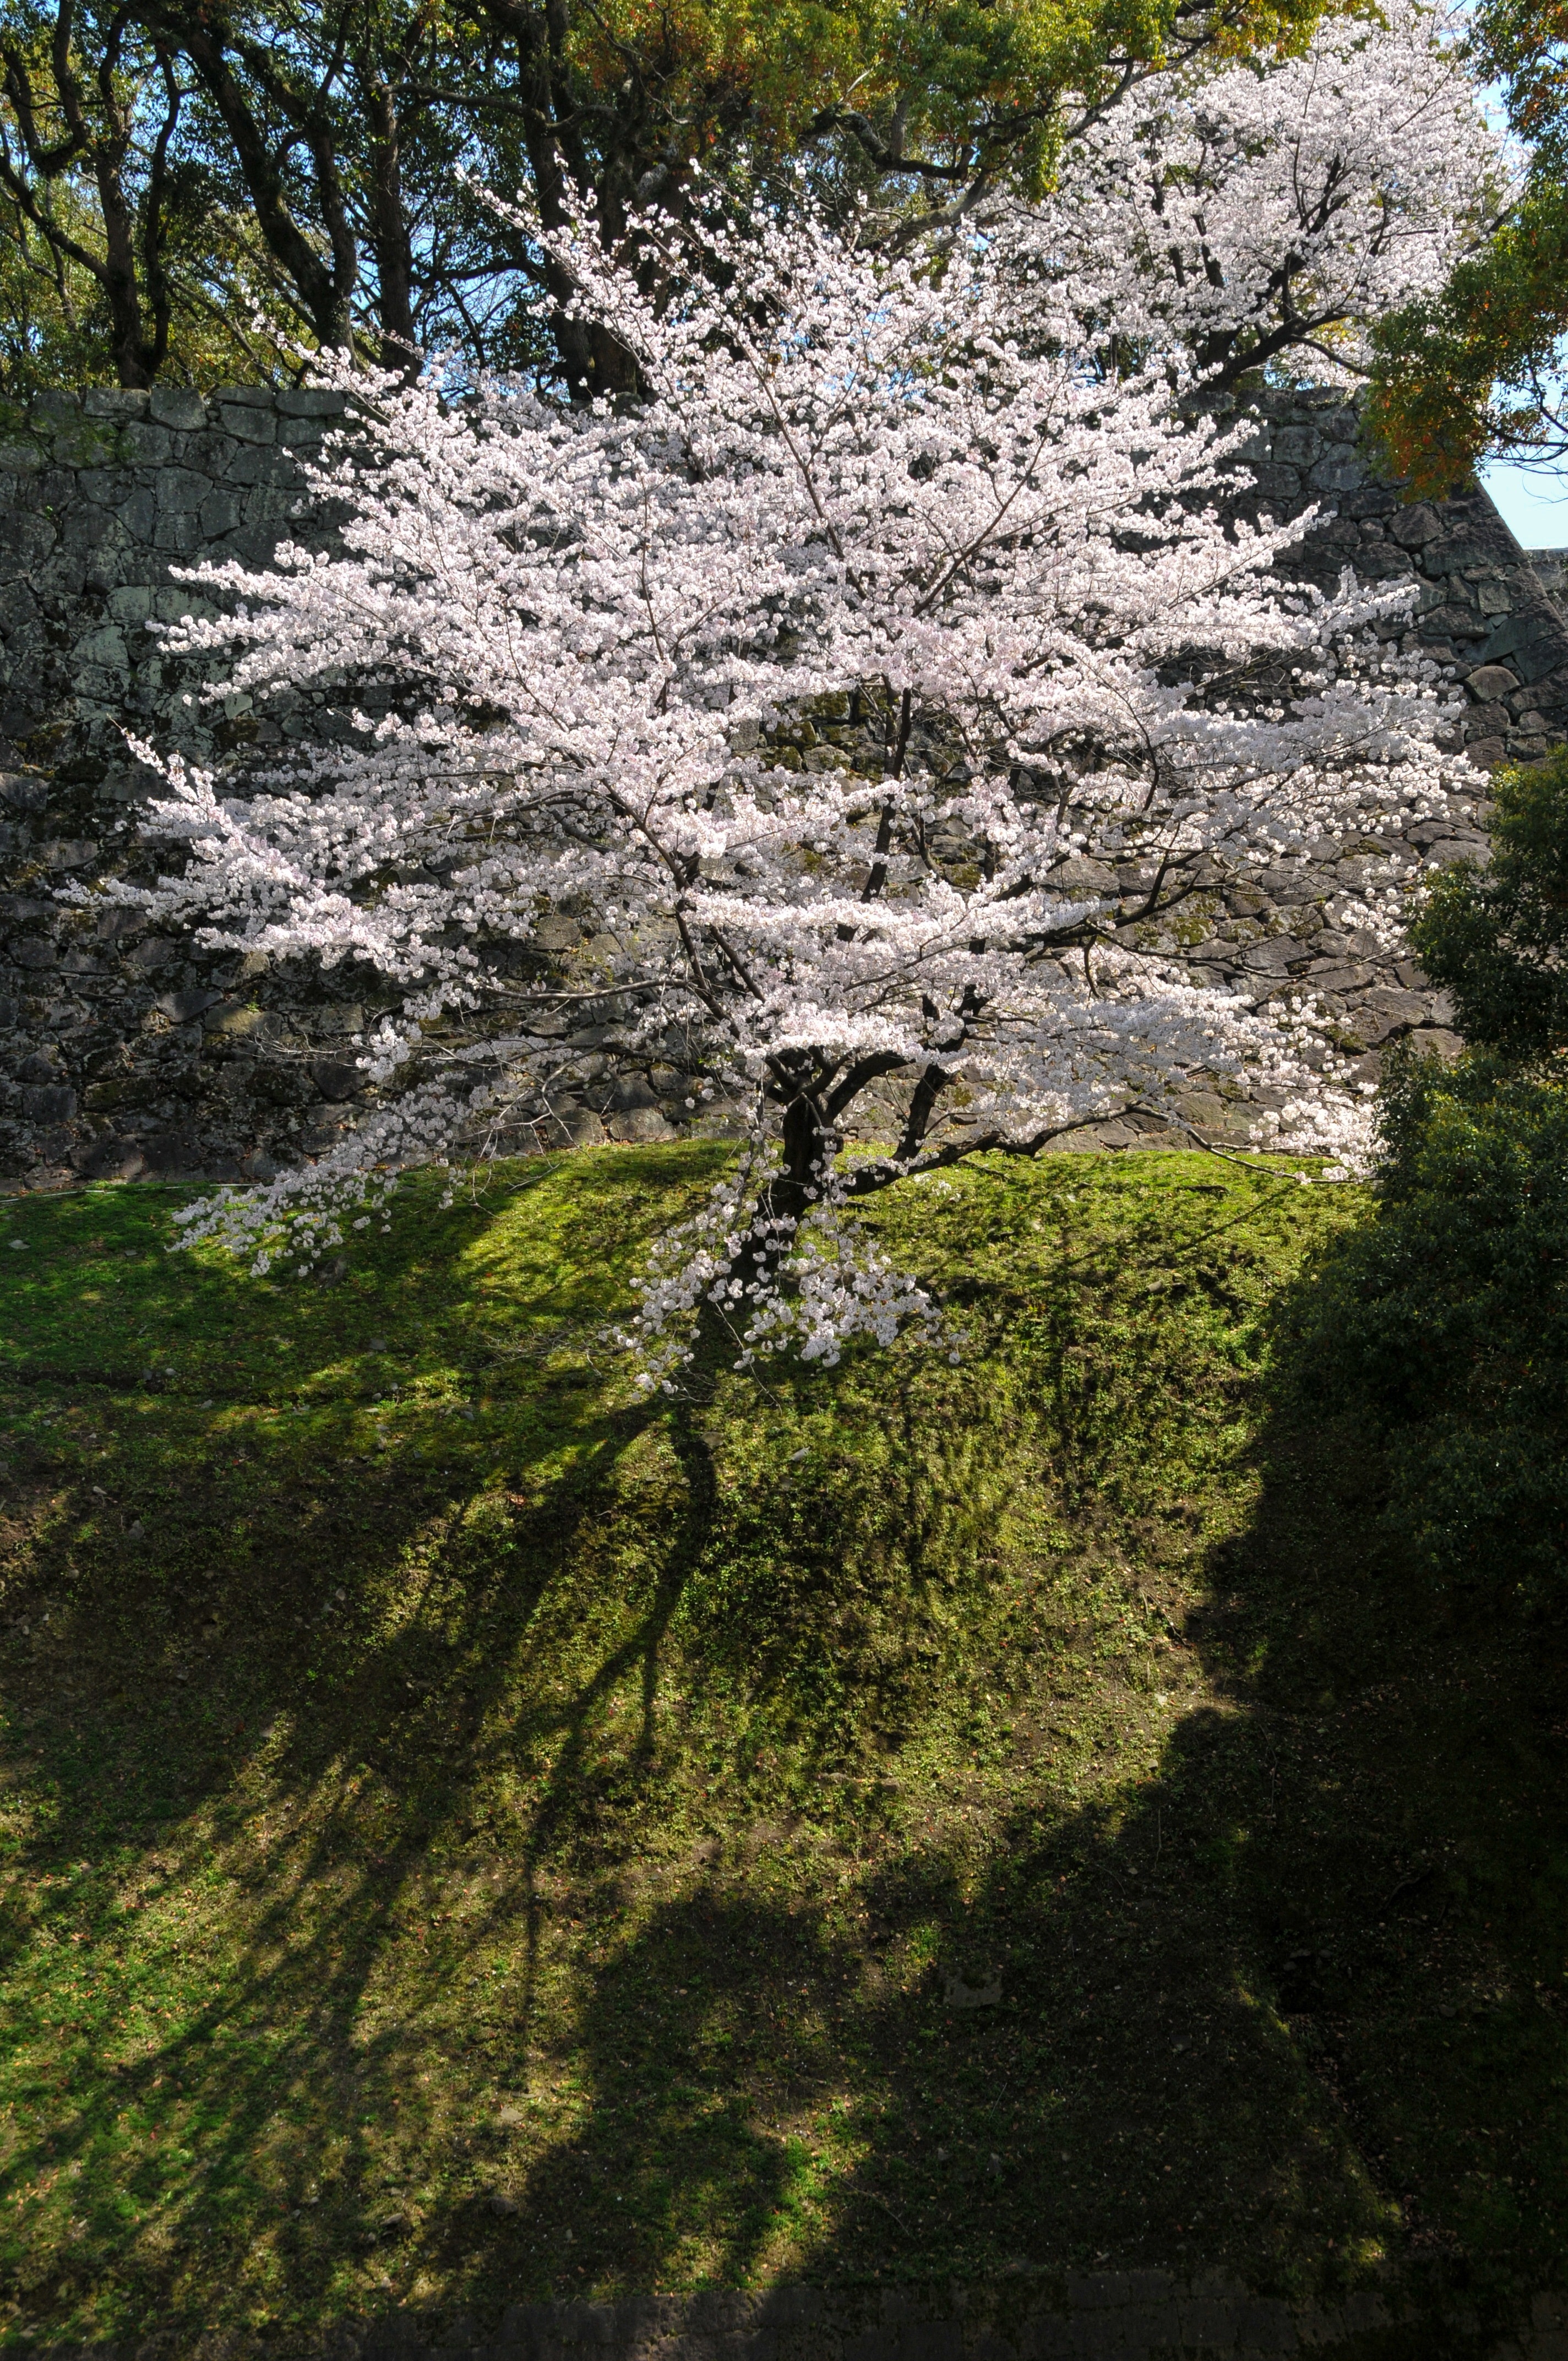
466 1835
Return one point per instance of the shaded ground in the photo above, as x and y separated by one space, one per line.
466 1835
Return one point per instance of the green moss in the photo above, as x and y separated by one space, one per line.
433 1776
1194 922
85 443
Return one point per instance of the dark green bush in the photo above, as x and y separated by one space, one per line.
1495 938
1443 1325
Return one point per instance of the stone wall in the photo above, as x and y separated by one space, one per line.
126 1053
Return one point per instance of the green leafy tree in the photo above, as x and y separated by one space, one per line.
119 260
327 135
1477 370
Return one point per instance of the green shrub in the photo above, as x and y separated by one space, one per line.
1442 1325
1495 938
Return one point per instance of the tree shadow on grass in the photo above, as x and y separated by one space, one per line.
614 1898
1289 2007
303 1754
224 1972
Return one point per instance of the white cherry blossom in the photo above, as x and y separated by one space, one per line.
1267 214
573 636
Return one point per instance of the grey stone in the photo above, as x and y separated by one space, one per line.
29 540
1412 528
219 513
146 446
1452 623
139 514
1444 851
235 1021
1392 1009
182 1007
644 1125
154 952
311 401
584 1130
86 443
179 532
269 504
1490 681
1531 638
245 423
336 1078
178 407
115 402
1336 471
254 464
181 488
48 1102
109 1158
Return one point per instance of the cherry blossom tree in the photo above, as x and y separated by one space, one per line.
1269 216
1070 693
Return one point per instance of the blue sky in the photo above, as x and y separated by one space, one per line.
1535 503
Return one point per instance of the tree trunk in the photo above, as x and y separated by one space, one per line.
390 231
118 278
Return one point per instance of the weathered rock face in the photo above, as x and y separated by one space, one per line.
126 1052
1484 606
122 1051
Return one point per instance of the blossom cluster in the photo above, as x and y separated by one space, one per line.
1261 216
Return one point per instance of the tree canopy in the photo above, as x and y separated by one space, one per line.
1476 368
185 188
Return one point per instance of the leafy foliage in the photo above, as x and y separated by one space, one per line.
121 258
1445 1319
1494 936
1445 1324
327 136
1476 368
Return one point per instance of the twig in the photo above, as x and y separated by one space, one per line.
888 2209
